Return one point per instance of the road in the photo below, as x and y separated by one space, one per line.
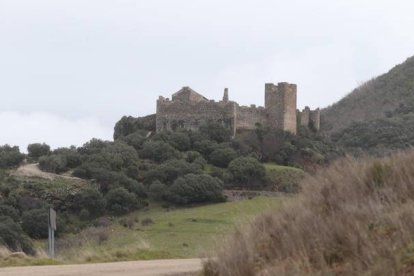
139 268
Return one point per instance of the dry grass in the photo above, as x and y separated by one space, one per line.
355 218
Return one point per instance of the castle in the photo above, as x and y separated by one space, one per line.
188 110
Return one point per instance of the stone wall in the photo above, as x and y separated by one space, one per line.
189 110
315 119
248 117
173 115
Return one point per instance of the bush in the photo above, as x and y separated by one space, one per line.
157 190
180 141
10 156
90 200
169 171
247 171
357 215
13 237
35 223
196 189
158 151
216 132
119 201
222 157
53 163
6 210
37 150
191 156
72 156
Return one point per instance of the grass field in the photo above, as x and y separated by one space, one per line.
179 233
275 167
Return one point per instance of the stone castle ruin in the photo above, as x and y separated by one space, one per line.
188 110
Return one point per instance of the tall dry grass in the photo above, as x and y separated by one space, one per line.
354 218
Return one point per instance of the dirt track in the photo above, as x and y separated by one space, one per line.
32 170
141 268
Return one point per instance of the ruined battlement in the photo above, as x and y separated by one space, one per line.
188 109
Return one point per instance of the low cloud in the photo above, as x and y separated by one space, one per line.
21 129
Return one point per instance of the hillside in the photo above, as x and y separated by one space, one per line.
377 117
354 218
376 99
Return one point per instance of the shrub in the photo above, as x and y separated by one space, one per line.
158 151
53 163
356 215
157 190
247 171
216 132
13 237
191 156
169 171
72 156
35 223
84 214
222 157
180 141
6 210
119 201
37 150
90 200
10 156
196 189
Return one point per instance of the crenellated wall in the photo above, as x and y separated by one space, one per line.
249 117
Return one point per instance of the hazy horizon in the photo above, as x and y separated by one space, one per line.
70 69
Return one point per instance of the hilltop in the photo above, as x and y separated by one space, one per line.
376 117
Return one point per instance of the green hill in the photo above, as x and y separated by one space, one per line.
378 116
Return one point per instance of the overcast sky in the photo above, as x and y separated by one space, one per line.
69 69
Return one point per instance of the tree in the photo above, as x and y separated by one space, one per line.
157 190
72 156
53 163
35 223
90 200
6 210
158 151
10 156
222 157
216 132
169 171
194 188
13 237
180 141
119 201
37 150
247 171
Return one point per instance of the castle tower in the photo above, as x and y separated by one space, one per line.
226 95
315 119
280 105
305 117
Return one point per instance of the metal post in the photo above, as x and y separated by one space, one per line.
51 236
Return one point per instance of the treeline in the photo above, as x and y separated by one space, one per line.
173 168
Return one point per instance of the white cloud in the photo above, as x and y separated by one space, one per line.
22 129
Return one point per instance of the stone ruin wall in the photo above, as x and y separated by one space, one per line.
187 112
172 115
248 117
310 118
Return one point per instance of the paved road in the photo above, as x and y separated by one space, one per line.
141 268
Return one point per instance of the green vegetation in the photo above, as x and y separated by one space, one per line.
37 150
10 156
156 232
377 118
